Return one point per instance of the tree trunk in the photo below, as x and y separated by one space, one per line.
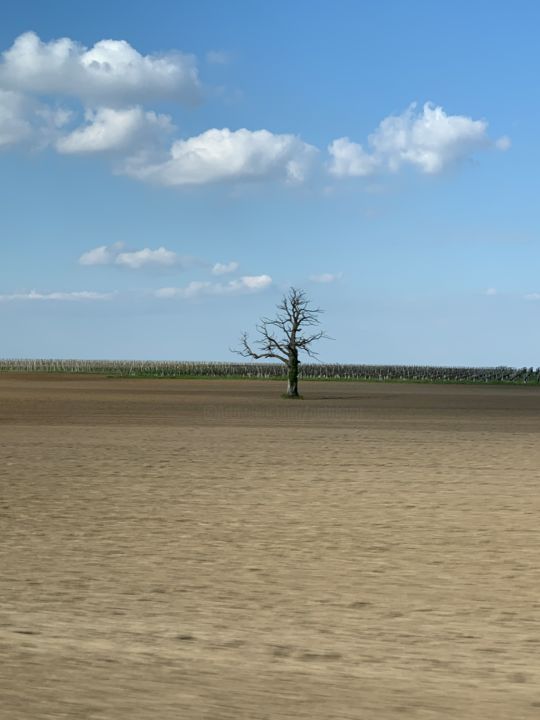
292 384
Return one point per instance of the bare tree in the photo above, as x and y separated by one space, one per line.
284 337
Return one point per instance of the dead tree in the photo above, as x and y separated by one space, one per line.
284 337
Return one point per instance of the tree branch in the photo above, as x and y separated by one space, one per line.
280 337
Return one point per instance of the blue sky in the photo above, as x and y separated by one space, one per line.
169 169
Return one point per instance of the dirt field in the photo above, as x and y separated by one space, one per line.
204 550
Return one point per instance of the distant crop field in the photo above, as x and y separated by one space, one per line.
308 371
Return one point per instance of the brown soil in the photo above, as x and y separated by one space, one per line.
204 550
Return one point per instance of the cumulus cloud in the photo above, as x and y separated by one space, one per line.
108 129
111 73
244 285
112 83
14 124
217 155
111 80
23 119
428 139
135 259
350 159
326 277
61 296
224 268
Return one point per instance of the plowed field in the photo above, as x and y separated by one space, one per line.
204 550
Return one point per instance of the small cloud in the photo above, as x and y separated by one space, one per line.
113 130
326 277
503 143
25 120
146 257
61 296
101 255
15 125
251 283
532 296
136 259
217 57
169 292
491 291
244 285
224 268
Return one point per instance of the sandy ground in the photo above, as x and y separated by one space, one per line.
204 550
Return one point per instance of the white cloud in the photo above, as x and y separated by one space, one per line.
25 120
503 143
326 277
217 57
114 81
108 129
429 140
491 291
224 268
14 124
62 296
102 255
244 285
194 289
252 283
532 296
146 257
350 159
110 73
217 155
134 259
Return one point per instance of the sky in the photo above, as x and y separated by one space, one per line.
168 169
